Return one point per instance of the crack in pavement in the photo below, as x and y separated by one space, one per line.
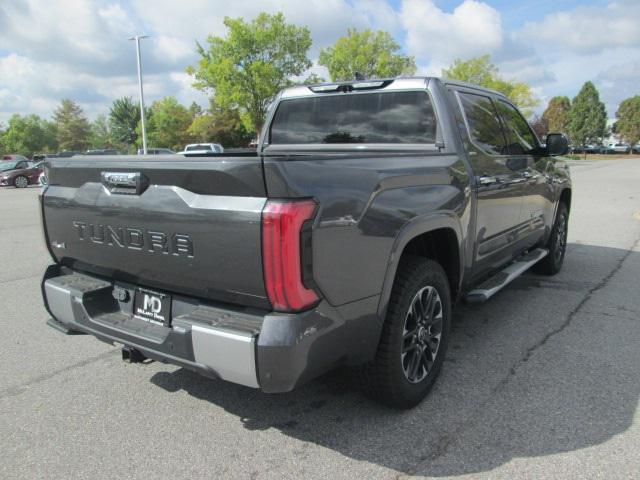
446 440
601 284
19 389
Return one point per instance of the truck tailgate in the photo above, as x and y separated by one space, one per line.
184 225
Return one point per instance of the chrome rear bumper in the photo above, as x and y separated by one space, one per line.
83 303
268 350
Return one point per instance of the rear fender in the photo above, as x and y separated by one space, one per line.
416 227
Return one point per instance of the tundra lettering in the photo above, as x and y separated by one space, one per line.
135 238
368 212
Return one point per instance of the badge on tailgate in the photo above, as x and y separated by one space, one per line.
127 183
152 307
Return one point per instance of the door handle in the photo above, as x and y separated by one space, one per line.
487 180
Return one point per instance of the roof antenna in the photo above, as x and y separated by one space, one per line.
360 76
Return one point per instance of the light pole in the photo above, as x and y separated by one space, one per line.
144 130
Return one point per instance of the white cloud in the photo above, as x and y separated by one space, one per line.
80 48
51 49
89 33
473 28
327 19
173 49
588 29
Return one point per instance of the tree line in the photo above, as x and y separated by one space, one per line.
169 125
243 71
584 119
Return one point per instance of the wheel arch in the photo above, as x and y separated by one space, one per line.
565 197
438 237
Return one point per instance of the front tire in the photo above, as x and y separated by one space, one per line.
414 336
557 244
21 182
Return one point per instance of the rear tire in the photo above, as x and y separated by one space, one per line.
557 244
414 337
21 181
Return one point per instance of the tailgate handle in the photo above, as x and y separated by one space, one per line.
127 183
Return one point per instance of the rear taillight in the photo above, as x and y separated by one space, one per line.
282 253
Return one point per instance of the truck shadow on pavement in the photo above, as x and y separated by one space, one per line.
547 366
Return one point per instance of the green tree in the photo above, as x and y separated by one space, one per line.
248 67
73 128
221 125
481 71
628 120
124 116
28 134
311 79
370 53
587 117
540 125
50 132
101 133
195 110
557 114
167 125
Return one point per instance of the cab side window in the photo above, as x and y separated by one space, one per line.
482 119
520 138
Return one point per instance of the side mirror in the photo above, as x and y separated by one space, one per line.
557 144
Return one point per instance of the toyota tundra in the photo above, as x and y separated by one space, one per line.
370 208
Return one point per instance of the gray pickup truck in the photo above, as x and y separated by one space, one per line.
369 210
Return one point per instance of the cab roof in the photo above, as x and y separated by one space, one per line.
376 84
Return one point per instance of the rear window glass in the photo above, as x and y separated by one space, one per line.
393 117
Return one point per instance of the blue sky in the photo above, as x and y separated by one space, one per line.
53 49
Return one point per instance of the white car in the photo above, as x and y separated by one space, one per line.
617 148
195 148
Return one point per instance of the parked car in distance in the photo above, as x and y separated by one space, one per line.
592 148
67 153
19 173
102 151
156 151
15 157
636 148
617 147
576 148
202 148
40 157
588 148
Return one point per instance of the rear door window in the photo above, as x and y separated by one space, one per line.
389 117
482 119
520 138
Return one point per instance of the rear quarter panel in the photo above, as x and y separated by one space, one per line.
366 201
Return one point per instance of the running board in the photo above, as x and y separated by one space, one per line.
494 284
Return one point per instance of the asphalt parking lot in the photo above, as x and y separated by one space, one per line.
540 382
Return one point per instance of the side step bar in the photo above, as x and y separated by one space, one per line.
492 285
